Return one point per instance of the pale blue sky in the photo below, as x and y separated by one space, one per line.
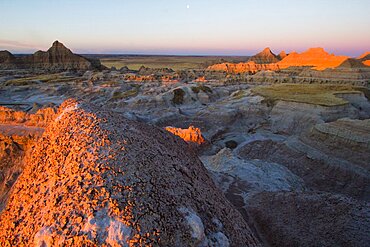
220 27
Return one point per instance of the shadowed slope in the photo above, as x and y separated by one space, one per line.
265 57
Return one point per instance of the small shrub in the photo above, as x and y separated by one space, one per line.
178 96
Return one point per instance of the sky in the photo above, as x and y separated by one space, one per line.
186 27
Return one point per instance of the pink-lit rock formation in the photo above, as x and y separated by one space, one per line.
190 134
248 67
366 62
317 58
40 119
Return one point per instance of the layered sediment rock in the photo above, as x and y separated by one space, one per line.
96 178
347 132
248 67
7 60
56 58
317 58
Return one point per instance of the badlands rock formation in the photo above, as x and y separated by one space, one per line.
282 55
264 57
7 60
96 178
190 134
317 58
248 67
57 57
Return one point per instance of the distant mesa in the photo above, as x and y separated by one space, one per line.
317 58
56 58
265 57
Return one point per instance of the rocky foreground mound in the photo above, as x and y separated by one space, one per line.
96 178
56 58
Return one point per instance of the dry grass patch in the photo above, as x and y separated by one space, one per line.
316 94
48 78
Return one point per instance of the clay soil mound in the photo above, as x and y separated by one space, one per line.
98 179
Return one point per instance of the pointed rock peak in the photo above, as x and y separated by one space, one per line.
264 57
267 50
58 47
58 44
6 53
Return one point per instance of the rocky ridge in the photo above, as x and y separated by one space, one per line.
56 58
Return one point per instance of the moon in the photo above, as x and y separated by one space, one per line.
188 6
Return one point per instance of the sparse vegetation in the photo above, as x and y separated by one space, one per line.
50 78
317 94
178 96
197 89
173 62
239 94
126 94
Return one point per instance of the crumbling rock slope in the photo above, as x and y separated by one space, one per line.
98 179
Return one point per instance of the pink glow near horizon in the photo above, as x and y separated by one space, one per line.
218 27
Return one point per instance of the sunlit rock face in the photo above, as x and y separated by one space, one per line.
248 67
190 134
41 118
318 58
97 179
